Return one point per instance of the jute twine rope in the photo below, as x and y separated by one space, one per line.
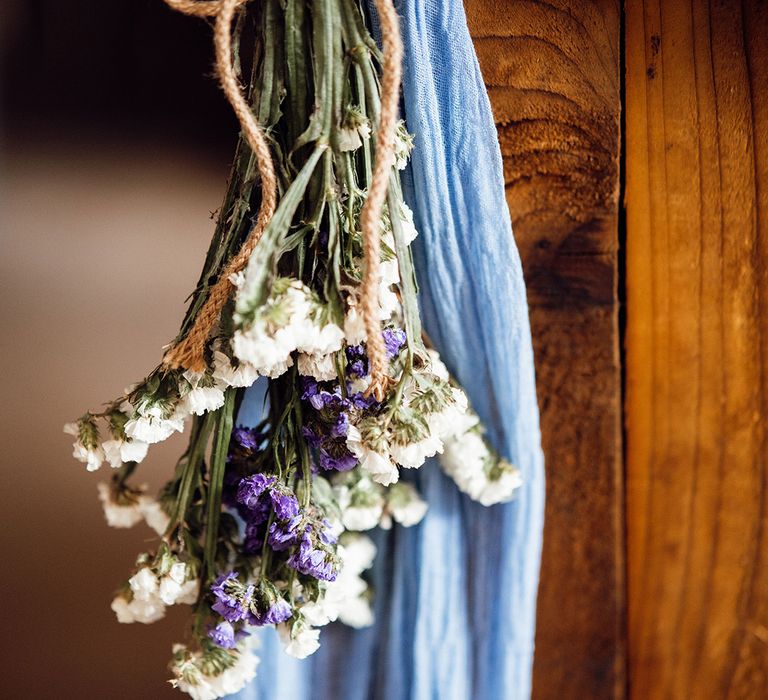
190 351
370 217
198 8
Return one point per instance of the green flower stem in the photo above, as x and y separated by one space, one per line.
266 550
262 261
407 275
191 474
122 474
296 67
306 468
224 421
269 37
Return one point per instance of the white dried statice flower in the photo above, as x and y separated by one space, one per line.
200 393
300 639
119 452
86 448
124 509
231 373
444 407
388 302
320 367
360 517
452 418
142 602
149 591
357 553
403 145
405 505
144 584
319 612
361 502
477 471
412 455
318 337
355 129
379 465
268 352
503 482
437 366
154 515
143 611
121 512
357 613
407 224
177 587
291 319
193 671
389 270
354 326
411 442
154 423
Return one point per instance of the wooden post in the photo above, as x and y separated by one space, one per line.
552 70
697 348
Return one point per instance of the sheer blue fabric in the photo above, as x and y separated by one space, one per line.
455 595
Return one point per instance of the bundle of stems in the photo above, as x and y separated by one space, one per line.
260 525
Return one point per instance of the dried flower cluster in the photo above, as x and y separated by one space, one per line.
261 525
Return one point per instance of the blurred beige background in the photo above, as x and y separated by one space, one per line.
101 244
115 146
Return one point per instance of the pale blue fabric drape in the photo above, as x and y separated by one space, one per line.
455 595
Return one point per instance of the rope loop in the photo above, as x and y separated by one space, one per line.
392 46
189 352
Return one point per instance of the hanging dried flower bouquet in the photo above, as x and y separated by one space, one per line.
260 525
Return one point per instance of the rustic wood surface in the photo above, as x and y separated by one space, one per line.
552 71
697 348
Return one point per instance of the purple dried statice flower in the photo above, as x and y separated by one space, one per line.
334 417
232 599
327 427
221 583
258 514
312 438
308 388
342 460
284 535
279 611
230 609
325 399
312 561
223 635
255 532
229 488
251 487
252 546
269 607
326 533
340 427
360 400
284 503
247 438
357 361
394 339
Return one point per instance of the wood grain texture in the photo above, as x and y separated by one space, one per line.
552 70
697 348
